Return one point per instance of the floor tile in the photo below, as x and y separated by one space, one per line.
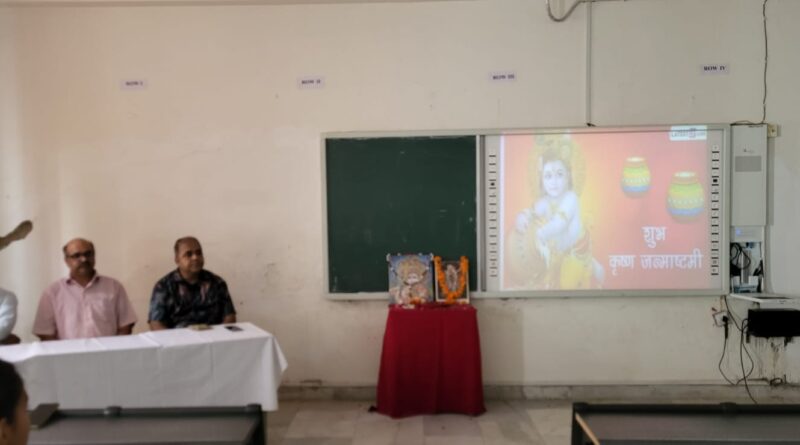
329 423
375 429
410 431
551 421
451 425
335 422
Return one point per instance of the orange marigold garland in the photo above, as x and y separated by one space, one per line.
451 295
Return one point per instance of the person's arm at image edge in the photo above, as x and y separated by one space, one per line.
8 314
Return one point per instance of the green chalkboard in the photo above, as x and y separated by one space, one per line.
397 195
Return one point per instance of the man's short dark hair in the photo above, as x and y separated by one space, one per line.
185 239
10 391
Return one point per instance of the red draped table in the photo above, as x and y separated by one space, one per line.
431 362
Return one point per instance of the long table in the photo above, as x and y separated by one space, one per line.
172 368
725 423
153 426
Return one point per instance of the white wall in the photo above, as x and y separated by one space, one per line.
223 145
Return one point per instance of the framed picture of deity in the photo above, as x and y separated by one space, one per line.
452 280
410 279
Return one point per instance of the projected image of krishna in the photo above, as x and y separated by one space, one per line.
549 247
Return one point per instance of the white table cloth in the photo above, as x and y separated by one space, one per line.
172 368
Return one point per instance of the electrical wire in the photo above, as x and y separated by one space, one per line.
759 270
746 375
571 9
742 351
565 16
738 251
719 365
741 360
766 64
740 328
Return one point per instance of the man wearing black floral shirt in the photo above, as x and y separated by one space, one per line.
190 294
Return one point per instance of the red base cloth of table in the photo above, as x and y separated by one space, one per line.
431 362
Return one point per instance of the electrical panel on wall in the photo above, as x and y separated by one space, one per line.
748 183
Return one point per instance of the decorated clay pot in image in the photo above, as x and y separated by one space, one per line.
685 197
635 177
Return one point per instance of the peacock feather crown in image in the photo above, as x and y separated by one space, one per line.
561 147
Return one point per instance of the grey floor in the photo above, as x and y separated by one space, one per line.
332 422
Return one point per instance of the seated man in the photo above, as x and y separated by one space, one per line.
190 295
85 304
8 317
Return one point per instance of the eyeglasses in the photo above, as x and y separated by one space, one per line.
89 254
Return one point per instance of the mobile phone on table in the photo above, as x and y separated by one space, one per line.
234 328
